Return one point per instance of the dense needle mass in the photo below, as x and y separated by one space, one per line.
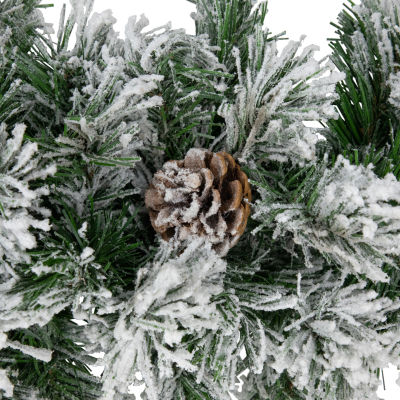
302 293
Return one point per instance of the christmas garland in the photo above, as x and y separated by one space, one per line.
168 213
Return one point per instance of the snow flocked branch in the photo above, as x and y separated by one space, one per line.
275 94
181 301
120 86
332 348
349 215
174 301
348 324
20 206
20 165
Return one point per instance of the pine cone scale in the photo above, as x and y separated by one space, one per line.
219 168
215 204
208 183
231 164
154 199
245 184
233 195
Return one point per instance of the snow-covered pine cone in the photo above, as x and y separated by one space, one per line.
206 194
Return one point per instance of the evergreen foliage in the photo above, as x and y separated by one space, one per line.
305 306
367 50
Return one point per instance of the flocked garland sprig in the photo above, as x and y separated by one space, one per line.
290 292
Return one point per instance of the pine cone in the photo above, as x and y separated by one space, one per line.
206 194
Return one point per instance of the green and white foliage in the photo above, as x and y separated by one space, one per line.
305 305
67 288
368 52
331 348
345 212
108 112
173 304
60 373
348 325
191 77
382 26
20 23
18 18
121 92
228 24
275 94
377 22
182 325
20 203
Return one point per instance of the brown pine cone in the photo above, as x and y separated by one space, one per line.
206 194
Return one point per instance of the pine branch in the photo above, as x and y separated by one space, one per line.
344 219
20 205
26 90
228 25
368 130
65 377
193 83
367 50
274 95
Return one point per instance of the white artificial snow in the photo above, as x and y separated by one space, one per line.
125 140
346 328
380 21
82 230
87 253
167 279
134 39
5 384
40 269
19 165
97 22
192 211
39 354
3 340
